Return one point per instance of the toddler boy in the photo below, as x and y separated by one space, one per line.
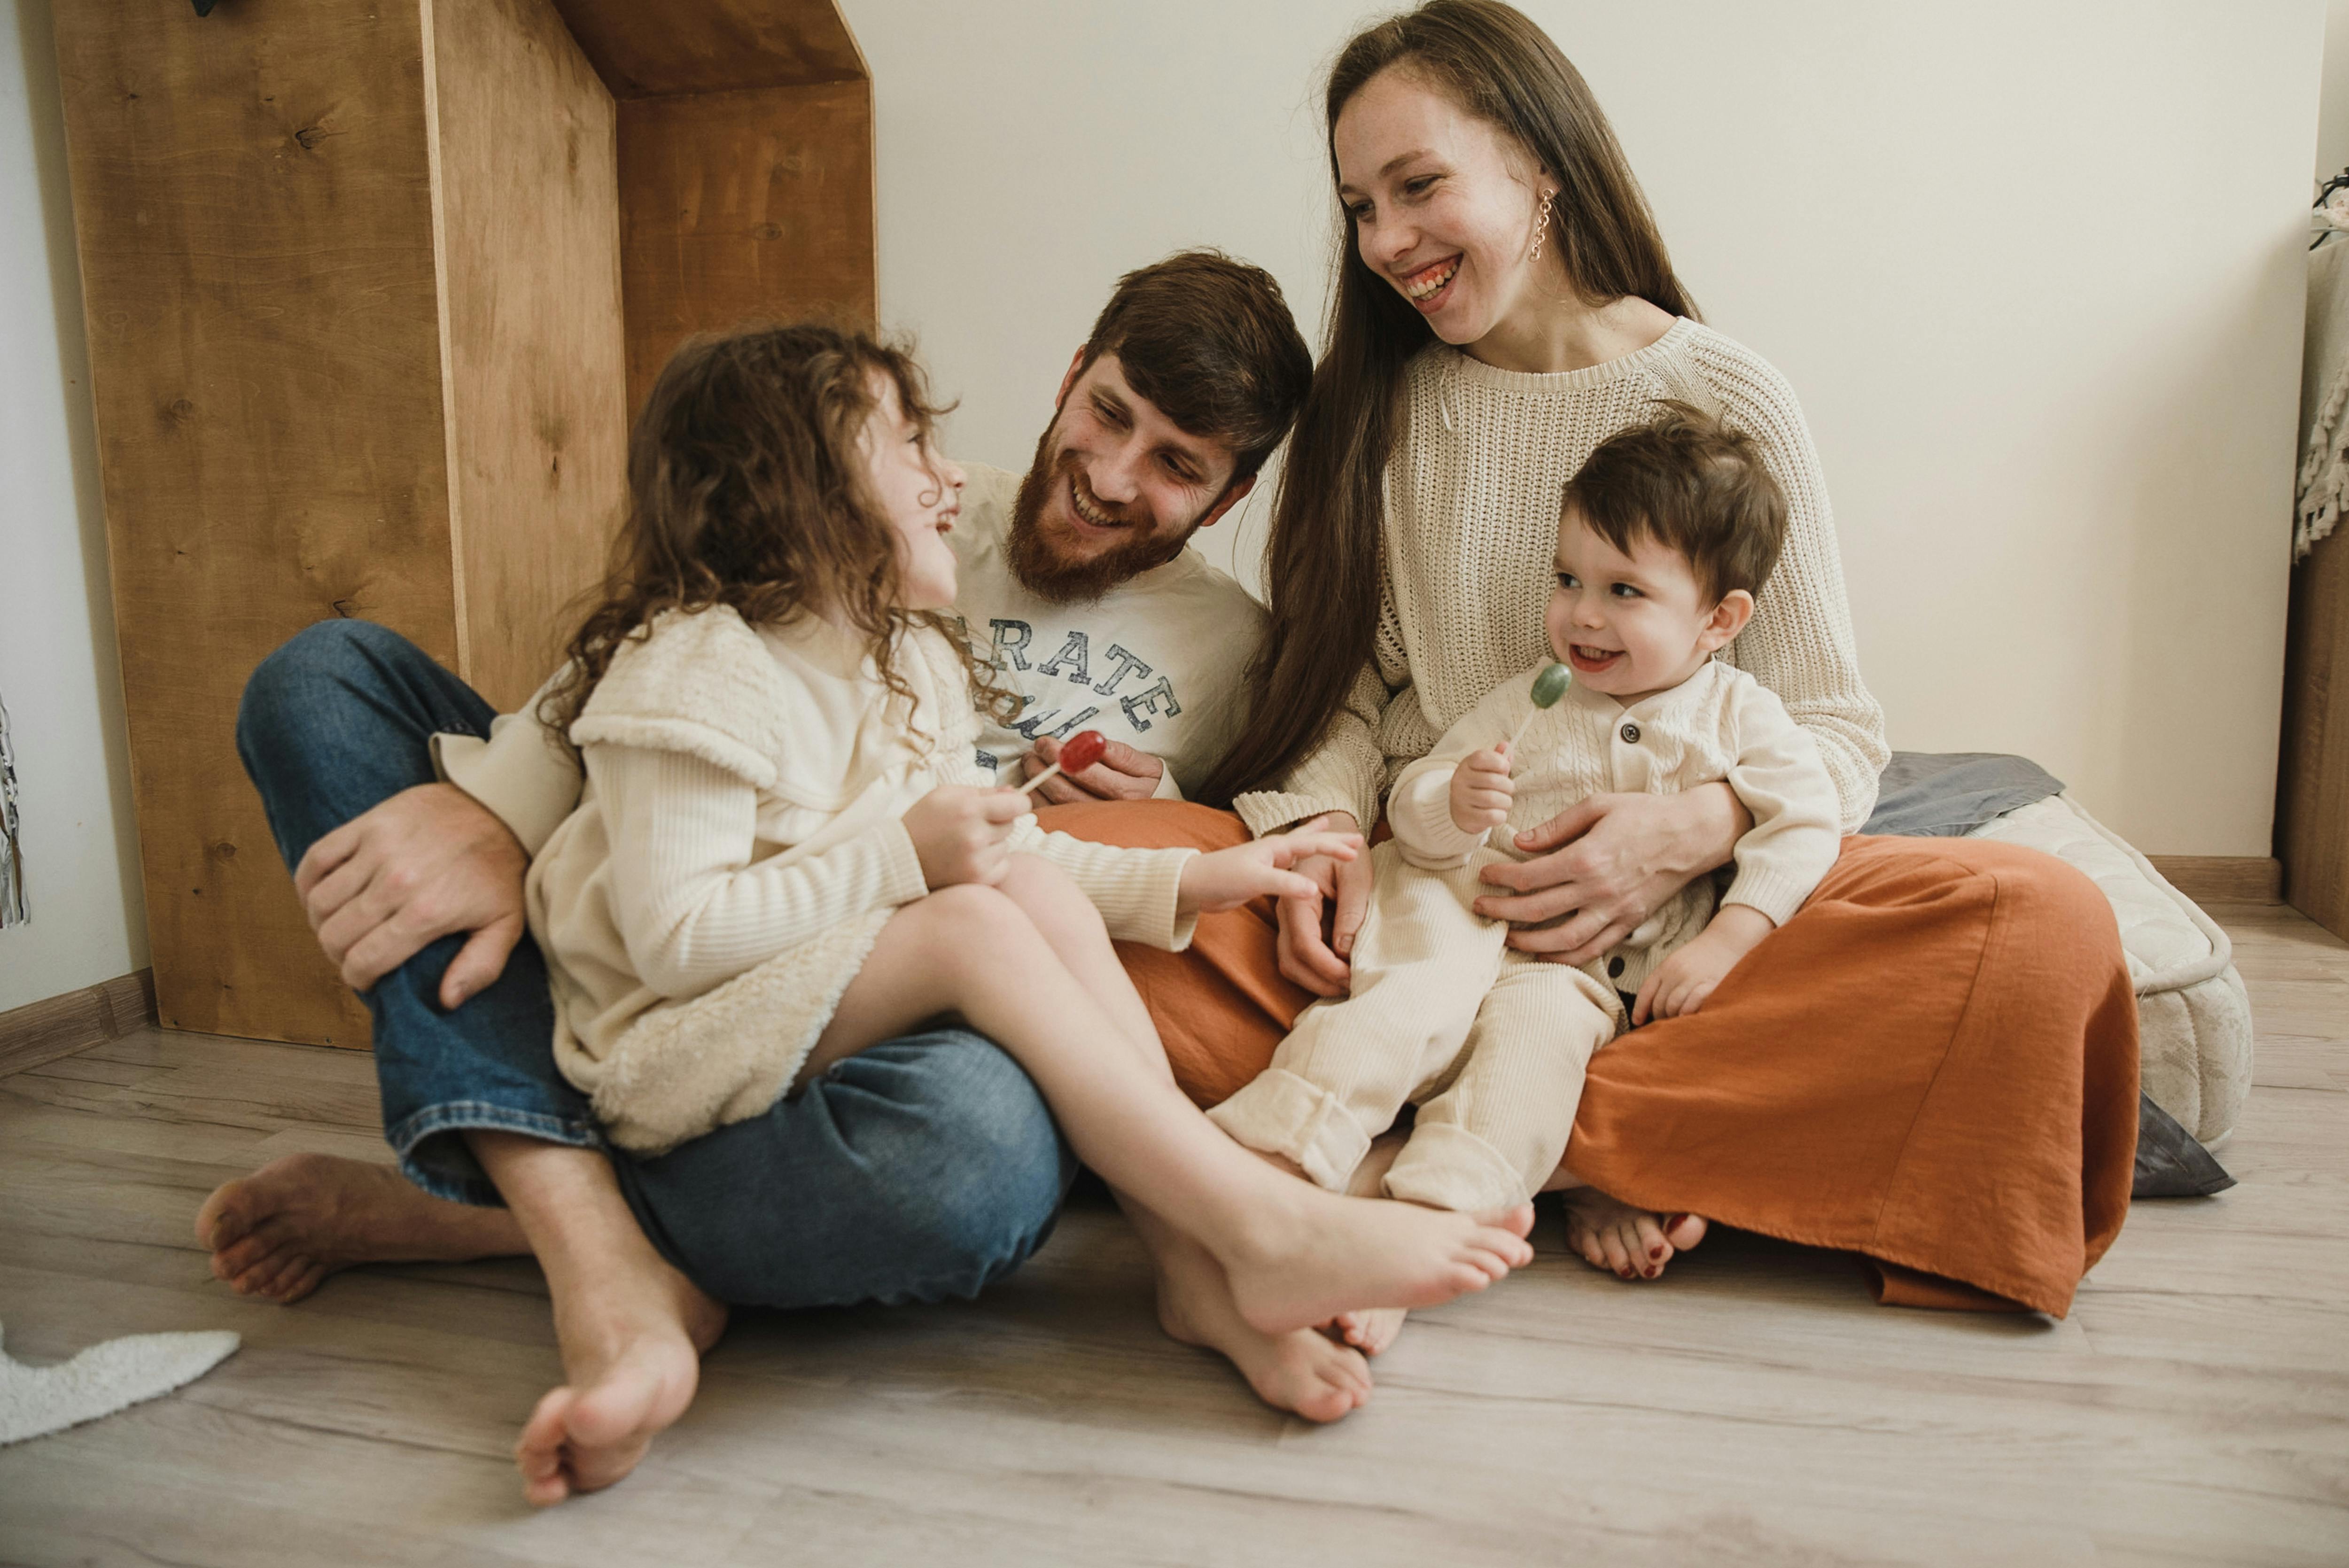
1666 536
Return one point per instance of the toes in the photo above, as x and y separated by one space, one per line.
248 1277
1653 1250
1684 1231
1616 1258
223 1218
1586 1241
538 1452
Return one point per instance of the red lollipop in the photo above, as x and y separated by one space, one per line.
1079 752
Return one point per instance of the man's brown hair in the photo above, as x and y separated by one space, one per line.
1692 484
1209 341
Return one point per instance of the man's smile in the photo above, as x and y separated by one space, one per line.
1088 512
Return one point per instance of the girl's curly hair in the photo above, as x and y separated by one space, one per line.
748 488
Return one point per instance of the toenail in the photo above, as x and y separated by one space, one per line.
1655 1252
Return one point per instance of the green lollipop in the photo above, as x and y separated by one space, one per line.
1548 686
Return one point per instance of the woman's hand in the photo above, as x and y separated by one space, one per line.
1229 878
1307 957
1605 866
963 835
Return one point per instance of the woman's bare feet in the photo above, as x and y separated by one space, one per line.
1629 1243
280 1231
1313 1256
1298 1371
632 1344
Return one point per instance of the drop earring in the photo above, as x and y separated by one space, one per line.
1541 225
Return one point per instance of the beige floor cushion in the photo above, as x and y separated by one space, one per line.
2194 1016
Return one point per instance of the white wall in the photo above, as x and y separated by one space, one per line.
2034 267
2333 116
57 669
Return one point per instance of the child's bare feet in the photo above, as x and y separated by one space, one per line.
1368 1329
1300 1371
632 1343
1319 1255
277 1232
1629 1243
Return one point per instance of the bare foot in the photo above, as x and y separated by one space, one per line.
1321 1255
1300 1371
1368 1329
280 1231
1629 1243
632 1343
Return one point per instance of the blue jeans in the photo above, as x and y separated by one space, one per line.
923 1168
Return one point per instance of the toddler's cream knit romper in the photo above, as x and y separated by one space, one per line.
1489 1043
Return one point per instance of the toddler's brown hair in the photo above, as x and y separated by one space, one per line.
1693 485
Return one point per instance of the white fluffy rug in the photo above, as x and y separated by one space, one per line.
102 1380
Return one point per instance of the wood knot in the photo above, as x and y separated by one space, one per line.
309 135
182 410
768 232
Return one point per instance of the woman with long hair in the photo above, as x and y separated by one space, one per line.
1934 1063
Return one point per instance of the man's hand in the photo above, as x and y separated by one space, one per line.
1308 956
1682 983
963 835
1610 862
1227 878
1121 774
1482 790
427 863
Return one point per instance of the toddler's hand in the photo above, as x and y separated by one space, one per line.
1682 983
962 835
1227 878
1482 790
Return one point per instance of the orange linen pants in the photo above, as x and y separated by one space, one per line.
1933 1065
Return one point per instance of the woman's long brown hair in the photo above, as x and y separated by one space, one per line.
1323 562
747 487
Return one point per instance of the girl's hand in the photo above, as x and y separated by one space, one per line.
963 835
1611 861
1482 790
1309 956
1229 878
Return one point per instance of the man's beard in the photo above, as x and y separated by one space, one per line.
1050 578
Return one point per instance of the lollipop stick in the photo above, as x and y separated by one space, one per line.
1518 734
1029 788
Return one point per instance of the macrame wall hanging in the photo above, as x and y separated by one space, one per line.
11 860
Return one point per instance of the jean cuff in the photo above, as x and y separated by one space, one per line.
435 1159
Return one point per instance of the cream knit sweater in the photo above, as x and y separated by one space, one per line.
1472 505
1720 725
740 844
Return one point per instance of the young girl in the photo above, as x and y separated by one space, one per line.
785 852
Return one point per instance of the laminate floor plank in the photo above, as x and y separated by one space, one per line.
1755 1407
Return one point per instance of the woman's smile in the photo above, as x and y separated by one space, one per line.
1429 287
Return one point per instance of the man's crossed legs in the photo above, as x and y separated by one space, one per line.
921 1169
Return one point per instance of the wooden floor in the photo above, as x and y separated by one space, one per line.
1753 1407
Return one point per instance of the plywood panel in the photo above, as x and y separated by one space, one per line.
713 45
742 205
2313 782
529 209
254 211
